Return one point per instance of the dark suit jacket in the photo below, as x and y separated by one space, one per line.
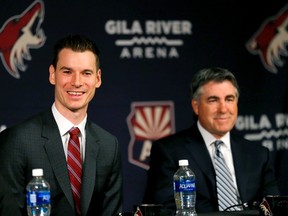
8 205
254 171
36 143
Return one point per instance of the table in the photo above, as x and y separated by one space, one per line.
169 213
234 213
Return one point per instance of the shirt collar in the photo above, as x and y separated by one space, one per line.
64 124
209 138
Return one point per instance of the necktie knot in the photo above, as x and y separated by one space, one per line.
74 131
218 144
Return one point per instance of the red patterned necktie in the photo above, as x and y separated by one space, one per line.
74 163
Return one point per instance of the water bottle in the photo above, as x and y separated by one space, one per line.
38 195
184 190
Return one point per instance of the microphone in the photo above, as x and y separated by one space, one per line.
252 205
247 205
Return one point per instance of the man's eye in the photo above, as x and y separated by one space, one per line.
230 99
211 100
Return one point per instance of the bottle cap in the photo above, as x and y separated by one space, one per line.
183 163
37 172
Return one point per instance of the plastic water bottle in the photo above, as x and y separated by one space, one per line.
38 195
184 190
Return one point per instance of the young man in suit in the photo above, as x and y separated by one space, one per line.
214 99
42 141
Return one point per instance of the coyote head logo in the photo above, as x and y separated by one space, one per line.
20 33
270 41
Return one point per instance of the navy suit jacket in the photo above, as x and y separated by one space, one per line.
253 168
36 143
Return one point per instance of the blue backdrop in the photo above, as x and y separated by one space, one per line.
149 53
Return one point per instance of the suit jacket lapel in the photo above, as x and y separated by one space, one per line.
240 166
89 167
56 155
196 146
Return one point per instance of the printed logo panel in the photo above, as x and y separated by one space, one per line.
148 121
151 39
270 41
19 34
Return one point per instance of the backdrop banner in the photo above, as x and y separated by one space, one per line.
149 53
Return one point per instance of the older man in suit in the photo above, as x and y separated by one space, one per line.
42 141
214 99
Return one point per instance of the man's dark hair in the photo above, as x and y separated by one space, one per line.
206 75
77 43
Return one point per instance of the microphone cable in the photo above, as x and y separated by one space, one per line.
245 206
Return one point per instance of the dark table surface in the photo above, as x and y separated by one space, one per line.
235 213
164 213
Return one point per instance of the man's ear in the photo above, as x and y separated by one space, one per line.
52 74
194 104
99 79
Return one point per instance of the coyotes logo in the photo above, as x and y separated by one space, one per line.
138 212
270 41
265 209
147 122
20 33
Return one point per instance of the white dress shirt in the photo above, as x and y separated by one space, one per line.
209 140
64 125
